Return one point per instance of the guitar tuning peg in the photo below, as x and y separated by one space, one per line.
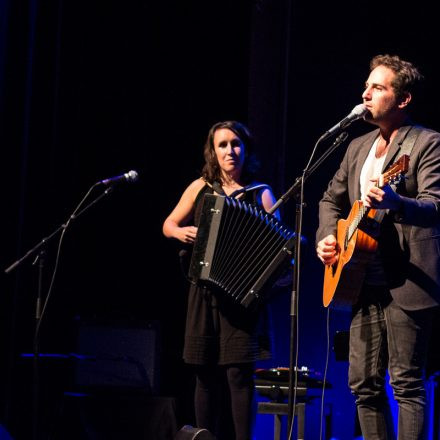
398 179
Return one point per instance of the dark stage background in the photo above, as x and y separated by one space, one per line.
93 89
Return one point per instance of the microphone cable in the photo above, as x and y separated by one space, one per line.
324 380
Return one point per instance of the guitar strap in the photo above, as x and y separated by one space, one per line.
408 142
406 146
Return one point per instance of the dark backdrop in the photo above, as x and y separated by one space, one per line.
92 89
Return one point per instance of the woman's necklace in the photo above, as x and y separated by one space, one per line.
232 185
229 188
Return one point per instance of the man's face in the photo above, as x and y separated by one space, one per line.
379 96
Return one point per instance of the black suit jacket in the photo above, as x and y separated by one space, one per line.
409 239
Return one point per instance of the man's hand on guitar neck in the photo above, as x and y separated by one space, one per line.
382 198
327 250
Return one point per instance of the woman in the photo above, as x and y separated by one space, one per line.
222 340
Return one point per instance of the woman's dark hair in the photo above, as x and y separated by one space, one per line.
211 171
407 76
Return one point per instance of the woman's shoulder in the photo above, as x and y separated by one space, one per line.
196 187
197 184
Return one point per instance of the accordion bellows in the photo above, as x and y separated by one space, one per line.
239 249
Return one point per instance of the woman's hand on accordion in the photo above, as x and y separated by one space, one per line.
186 234
174 225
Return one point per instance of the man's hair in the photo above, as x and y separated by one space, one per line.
408 77
211 171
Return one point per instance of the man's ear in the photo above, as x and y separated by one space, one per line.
405 100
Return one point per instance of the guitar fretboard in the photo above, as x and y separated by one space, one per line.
363 211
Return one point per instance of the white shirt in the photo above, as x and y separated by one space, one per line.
372 169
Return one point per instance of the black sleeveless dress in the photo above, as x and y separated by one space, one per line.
219 332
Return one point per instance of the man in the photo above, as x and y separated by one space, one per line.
401 289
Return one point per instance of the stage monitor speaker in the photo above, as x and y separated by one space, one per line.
190 433
118 355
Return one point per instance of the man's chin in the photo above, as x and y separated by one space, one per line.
370 119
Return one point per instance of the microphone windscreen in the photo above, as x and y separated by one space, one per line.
360 110
132 176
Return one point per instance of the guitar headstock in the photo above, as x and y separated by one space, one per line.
395 172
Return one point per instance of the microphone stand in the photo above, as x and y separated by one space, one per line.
38 311
41 260
297 189
60 228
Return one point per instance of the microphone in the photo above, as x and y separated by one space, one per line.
358 112
131 176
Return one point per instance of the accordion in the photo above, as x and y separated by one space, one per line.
239 249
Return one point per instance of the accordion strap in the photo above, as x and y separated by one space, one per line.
251 187
216 186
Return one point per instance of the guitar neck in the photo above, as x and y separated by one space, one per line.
375 215
362 213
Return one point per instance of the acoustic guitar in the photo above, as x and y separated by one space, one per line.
356 238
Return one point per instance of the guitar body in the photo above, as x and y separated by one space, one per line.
343 279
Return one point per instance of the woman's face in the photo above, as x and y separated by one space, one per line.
229 150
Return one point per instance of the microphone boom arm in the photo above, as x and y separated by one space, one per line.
297 184
59 229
